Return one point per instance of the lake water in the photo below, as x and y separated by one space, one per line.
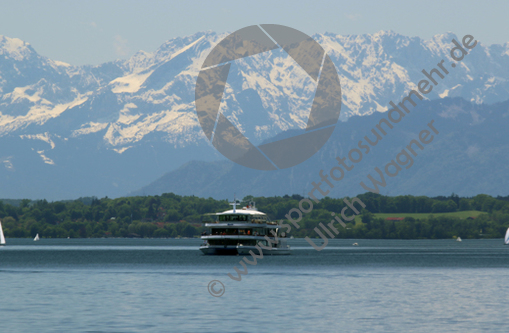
160 285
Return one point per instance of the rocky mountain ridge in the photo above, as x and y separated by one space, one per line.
112 128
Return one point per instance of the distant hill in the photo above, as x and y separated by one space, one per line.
469 156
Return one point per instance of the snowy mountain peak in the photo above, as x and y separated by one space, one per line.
14 48
265 94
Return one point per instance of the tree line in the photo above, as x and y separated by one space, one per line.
171 215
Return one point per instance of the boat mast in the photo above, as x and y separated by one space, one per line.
234 203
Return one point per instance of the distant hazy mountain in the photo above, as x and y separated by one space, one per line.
469 156
69 131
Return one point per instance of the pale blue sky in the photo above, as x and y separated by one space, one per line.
93 32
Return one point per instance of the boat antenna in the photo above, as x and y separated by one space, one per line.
234 203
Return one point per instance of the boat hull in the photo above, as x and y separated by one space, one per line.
244 250
219 250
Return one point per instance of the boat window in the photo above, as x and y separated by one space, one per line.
232 217
220 242
224 231
259 219
259 231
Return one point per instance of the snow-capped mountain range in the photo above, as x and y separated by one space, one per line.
112 128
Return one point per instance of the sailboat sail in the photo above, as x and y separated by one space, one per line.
36 237
506 240
2 238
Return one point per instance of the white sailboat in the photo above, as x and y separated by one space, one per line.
36 238
506 239
2 238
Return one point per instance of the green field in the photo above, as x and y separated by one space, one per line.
461 215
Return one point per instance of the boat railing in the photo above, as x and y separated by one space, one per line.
240 222
239 234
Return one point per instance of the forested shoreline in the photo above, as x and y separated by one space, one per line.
170 215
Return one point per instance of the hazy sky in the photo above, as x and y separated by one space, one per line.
92 32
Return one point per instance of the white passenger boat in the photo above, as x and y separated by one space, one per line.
238 231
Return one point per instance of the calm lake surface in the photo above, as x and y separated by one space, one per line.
160 285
